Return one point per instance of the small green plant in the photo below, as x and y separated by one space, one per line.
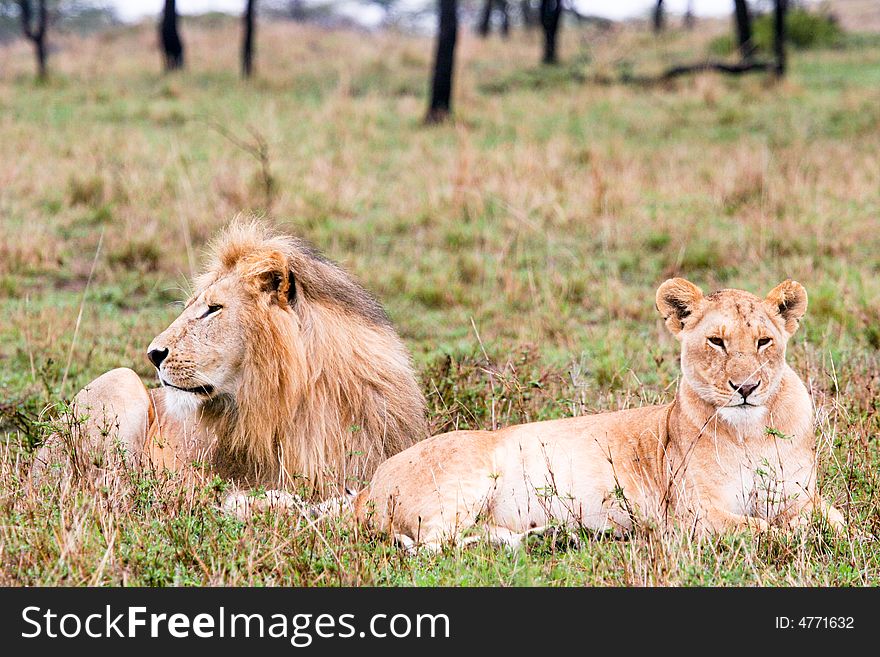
217 485
803 30
776 433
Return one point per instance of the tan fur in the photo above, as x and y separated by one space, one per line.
294 373
702 459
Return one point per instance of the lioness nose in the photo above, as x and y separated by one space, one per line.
745 389
156 356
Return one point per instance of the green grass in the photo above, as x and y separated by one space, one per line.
545 217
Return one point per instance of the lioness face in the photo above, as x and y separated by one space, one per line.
732 342
200 356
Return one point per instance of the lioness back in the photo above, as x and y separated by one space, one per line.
735 449
459 475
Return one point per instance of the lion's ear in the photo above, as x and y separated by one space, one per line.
676 300
789 299
272 274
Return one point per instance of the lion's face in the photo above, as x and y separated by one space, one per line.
200 356
732 342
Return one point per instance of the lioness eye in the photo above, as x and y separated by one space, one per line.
210 311
718 342
763 342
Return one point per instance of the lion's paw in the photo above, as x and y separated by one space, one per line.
238 504
244 504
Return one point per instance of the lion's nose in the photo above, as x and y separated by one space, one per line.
156 356
745 389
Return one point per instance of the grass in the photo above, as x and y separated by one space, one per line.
517 250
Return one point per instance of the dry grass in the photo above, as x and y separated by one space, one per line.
544 218
856 14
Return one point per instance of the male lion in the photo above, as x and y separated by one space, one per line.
735 449
280 367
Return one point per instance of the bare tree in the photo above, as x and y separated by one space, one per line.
35 31
659 17
504 8
551 11
529 15
485 18
744 29
779 10
247 46
444 62
748 63
485 24
172 46
689 18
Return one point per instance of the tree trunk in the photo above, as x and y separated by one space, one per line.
296 10
172 46
485 24
780 9
40 47
444 62
505 18
485 19
744 30
689 19
36 33
551 11
530 20
247 46
658 17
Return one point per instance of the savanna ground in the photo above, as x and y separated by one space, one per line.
517 251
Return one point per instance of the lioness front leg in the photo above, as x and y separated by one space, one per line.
832 516
111 414
825 509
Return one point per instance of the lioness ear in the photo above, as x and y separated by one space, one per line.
676 300
789 299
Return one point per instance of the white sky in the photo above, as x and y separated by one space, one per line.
134 9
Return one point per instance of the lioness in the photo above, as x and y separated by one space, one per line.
280 371
735 449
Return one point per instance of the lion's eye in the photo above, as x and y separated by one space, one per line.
210 311
718 342
763 342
